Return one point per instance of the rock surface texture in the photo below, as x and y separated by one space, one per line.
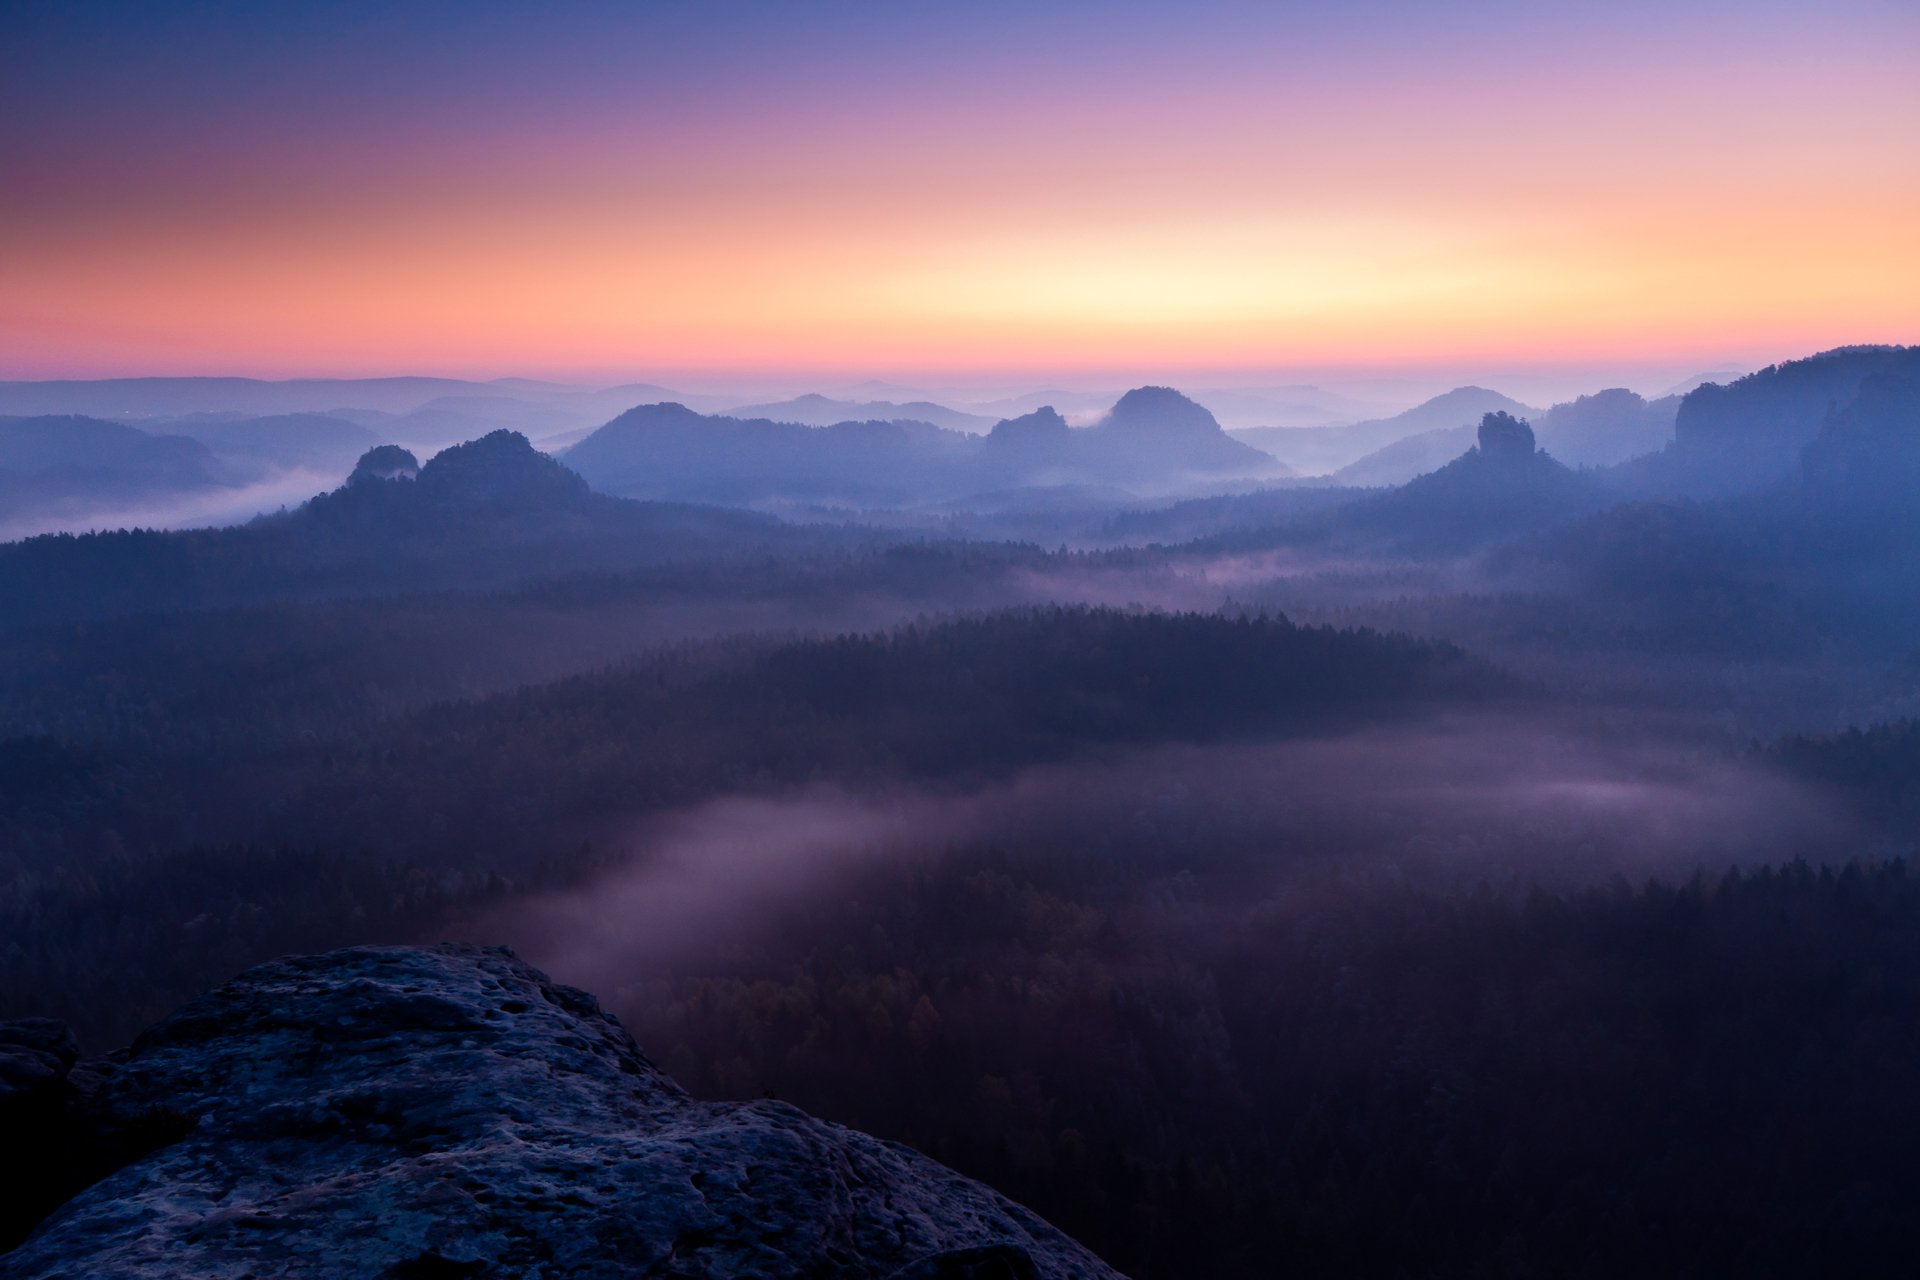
428 1113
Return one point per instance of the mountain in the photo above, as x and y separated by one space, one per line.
1402 460
1501 489
450 1111
1722 376
1320 450
1607 427
819 411
1153 439
1827 559
1157 433
1749 434
54 466
310 441
669 451
1863 469
1596 430
421 412
481 515
175 397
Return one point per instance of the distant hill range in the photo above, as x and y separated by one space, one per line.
52 466
1503 487
819 411
1599 430
1153 440
1323 450
419 412
1809 543
484 514
1750 434
307 440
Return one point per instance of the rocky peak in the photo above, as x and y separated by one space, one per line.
385 462
1159 412
450 1111
500 467
1043 424
1504 436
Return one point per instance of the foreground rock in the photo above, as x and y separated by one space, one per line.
450 1112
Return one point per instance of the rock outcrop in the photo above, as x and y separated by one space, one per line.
386 1113
1502 435
385 462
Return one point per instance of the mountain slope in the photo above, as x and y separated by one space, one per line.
1504 488
1607 427
1748 434
305 440
1402 460
443 1112
484 514
1154 439
56 465
1501 489
1591 431
1319 450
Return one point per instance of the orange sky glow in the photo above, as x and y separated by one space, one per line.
1759 199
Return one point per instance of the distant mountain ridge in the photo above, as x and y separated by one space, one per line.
1749 434
1153 438
1601 429
1322 450
1500 489
815 410
484 514
51 465
313 440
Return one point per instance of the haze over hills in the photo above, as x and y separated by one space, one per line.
1272 639
417 411
484 514
59 467
305 440
1828 557
1502 488
1750 433
1320 450
1031 825
1602 429
1152 440
818 411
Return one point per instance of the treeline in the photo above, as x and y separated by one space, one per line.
1878 768
489 783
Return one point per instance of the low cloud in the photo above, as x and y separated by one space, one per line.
1510 801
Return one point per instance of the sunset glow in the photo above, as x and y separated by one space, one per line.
586 191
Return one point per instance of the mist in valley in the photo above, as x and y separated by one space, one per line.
1154 827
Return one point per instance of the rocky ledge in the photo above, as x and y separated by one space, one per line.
430 1113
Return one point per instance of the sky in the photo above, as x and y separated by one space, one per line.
909 190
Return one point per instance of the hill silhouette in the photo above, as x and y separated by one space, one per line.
1321 450
56 464
1749 434
816 410
1154 438
491 512
288 440
1501 489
